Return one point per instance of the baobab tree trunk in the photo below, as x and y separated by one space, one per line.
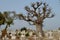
39 29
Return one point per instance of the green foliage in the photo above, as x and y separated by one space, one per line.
6 19
59 28
19 33
2 19
34 33
9 22
24 28
27 34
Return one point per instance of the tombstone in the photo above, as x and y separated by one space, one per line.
13 37
22 38
23 32
40 35
46 34
50 35
30 33
35 38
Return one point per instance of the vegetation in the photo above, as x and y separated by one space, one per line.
27 34
23 29
35 16
2 19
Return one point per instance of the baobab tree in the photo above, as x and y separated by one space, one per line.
36 15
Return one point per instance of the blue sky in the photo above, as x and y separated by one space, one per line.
18 6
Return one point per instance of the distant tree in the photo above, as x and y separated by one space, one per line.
36 15
8 18
5 18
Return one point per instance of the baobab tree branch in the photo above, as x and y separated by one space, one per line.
51 16
27 9
35 6
26 18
